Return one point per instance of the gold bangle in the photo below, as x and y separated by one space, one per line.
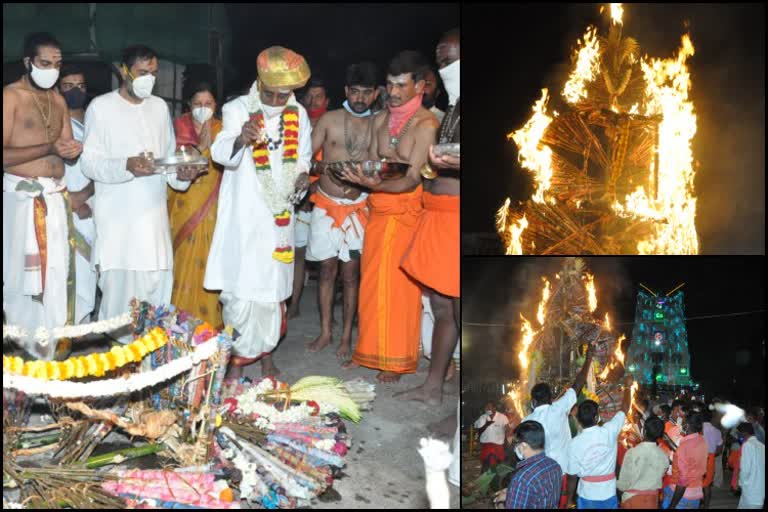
427 172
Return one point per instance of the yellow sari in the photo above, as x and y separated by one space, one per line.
192 215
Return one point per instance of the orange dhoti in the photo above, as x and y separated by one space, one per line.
433 257
390 301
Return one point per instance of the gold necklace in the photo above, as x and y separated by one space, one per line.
46 119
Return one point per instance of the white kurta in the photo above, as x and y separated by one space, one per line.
20 245
240 262
85 273
130 214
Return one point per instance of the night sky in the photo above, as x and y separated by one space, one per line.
332 36
519 49
727 354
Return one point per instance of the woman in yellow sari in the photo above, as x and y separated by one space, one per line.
193 213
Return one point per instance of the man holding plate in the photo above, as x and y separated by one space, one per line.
265 147
123 130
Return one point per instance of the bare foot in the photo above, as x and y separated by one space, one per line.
451 372
320 343
443 428
349 365
422 394
234 372
293 312
388 377
268 368
345 350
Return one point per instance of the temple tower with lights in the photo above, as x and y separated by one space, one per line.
659 347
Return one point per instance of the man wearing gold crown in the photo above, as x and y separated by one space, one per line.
266 147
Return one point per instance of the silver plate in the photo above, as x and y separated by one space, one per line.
171 164
450 148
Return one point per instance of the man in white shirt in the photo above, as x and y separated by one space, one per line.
72 86
265 147
492 429
133 248
553 416
752 468
591 455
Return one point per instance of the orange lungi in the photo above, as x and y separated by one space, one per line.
389 300
434 256
710 475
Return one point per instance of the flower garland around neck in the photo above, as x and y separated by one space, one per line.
277 194
95 365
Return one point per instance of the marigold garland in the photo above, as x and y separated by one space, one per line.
91 365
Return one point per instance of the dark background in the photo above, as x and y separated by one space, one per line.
518 49
332 36
727 353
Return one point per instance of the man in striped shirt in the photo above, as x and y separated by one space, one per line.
537 478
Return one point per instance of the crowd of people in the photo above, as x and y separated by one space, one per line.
86 205
665 455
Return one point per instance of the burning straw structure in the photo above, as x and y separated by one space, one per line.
566 323
613 170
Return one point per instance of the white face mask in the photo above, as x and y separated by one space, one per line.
519 452
202 114
451 75
270 111
143 85
44 78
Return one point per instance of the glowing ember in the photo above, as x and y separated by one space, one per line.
591 293
586 69
543 304
532 155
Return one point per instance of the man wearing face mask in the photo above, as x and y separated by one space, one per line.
38 244
390 300
433 258
689 465
266 148
73 87
341 214
133 240
492 429
535 484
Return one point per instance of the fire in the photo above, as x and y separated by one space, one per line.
607 322
516 236
617 11
586 69
542 313
673 205
591 293
528 334
618 353
532 155
618 356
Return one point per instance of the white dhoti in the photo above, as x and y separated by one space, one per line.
257 322
337 228
22 272
120 286
454 469
301 228
427 327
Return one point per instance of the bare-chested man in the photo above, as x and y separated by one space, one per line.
390 300
340 214
38 264
434 257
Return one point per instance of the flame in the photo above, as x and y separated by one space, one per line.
543 304
528 334
617 12
607 322
516 236
586 69
673 206
591 293
618 353
618 357
531 153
